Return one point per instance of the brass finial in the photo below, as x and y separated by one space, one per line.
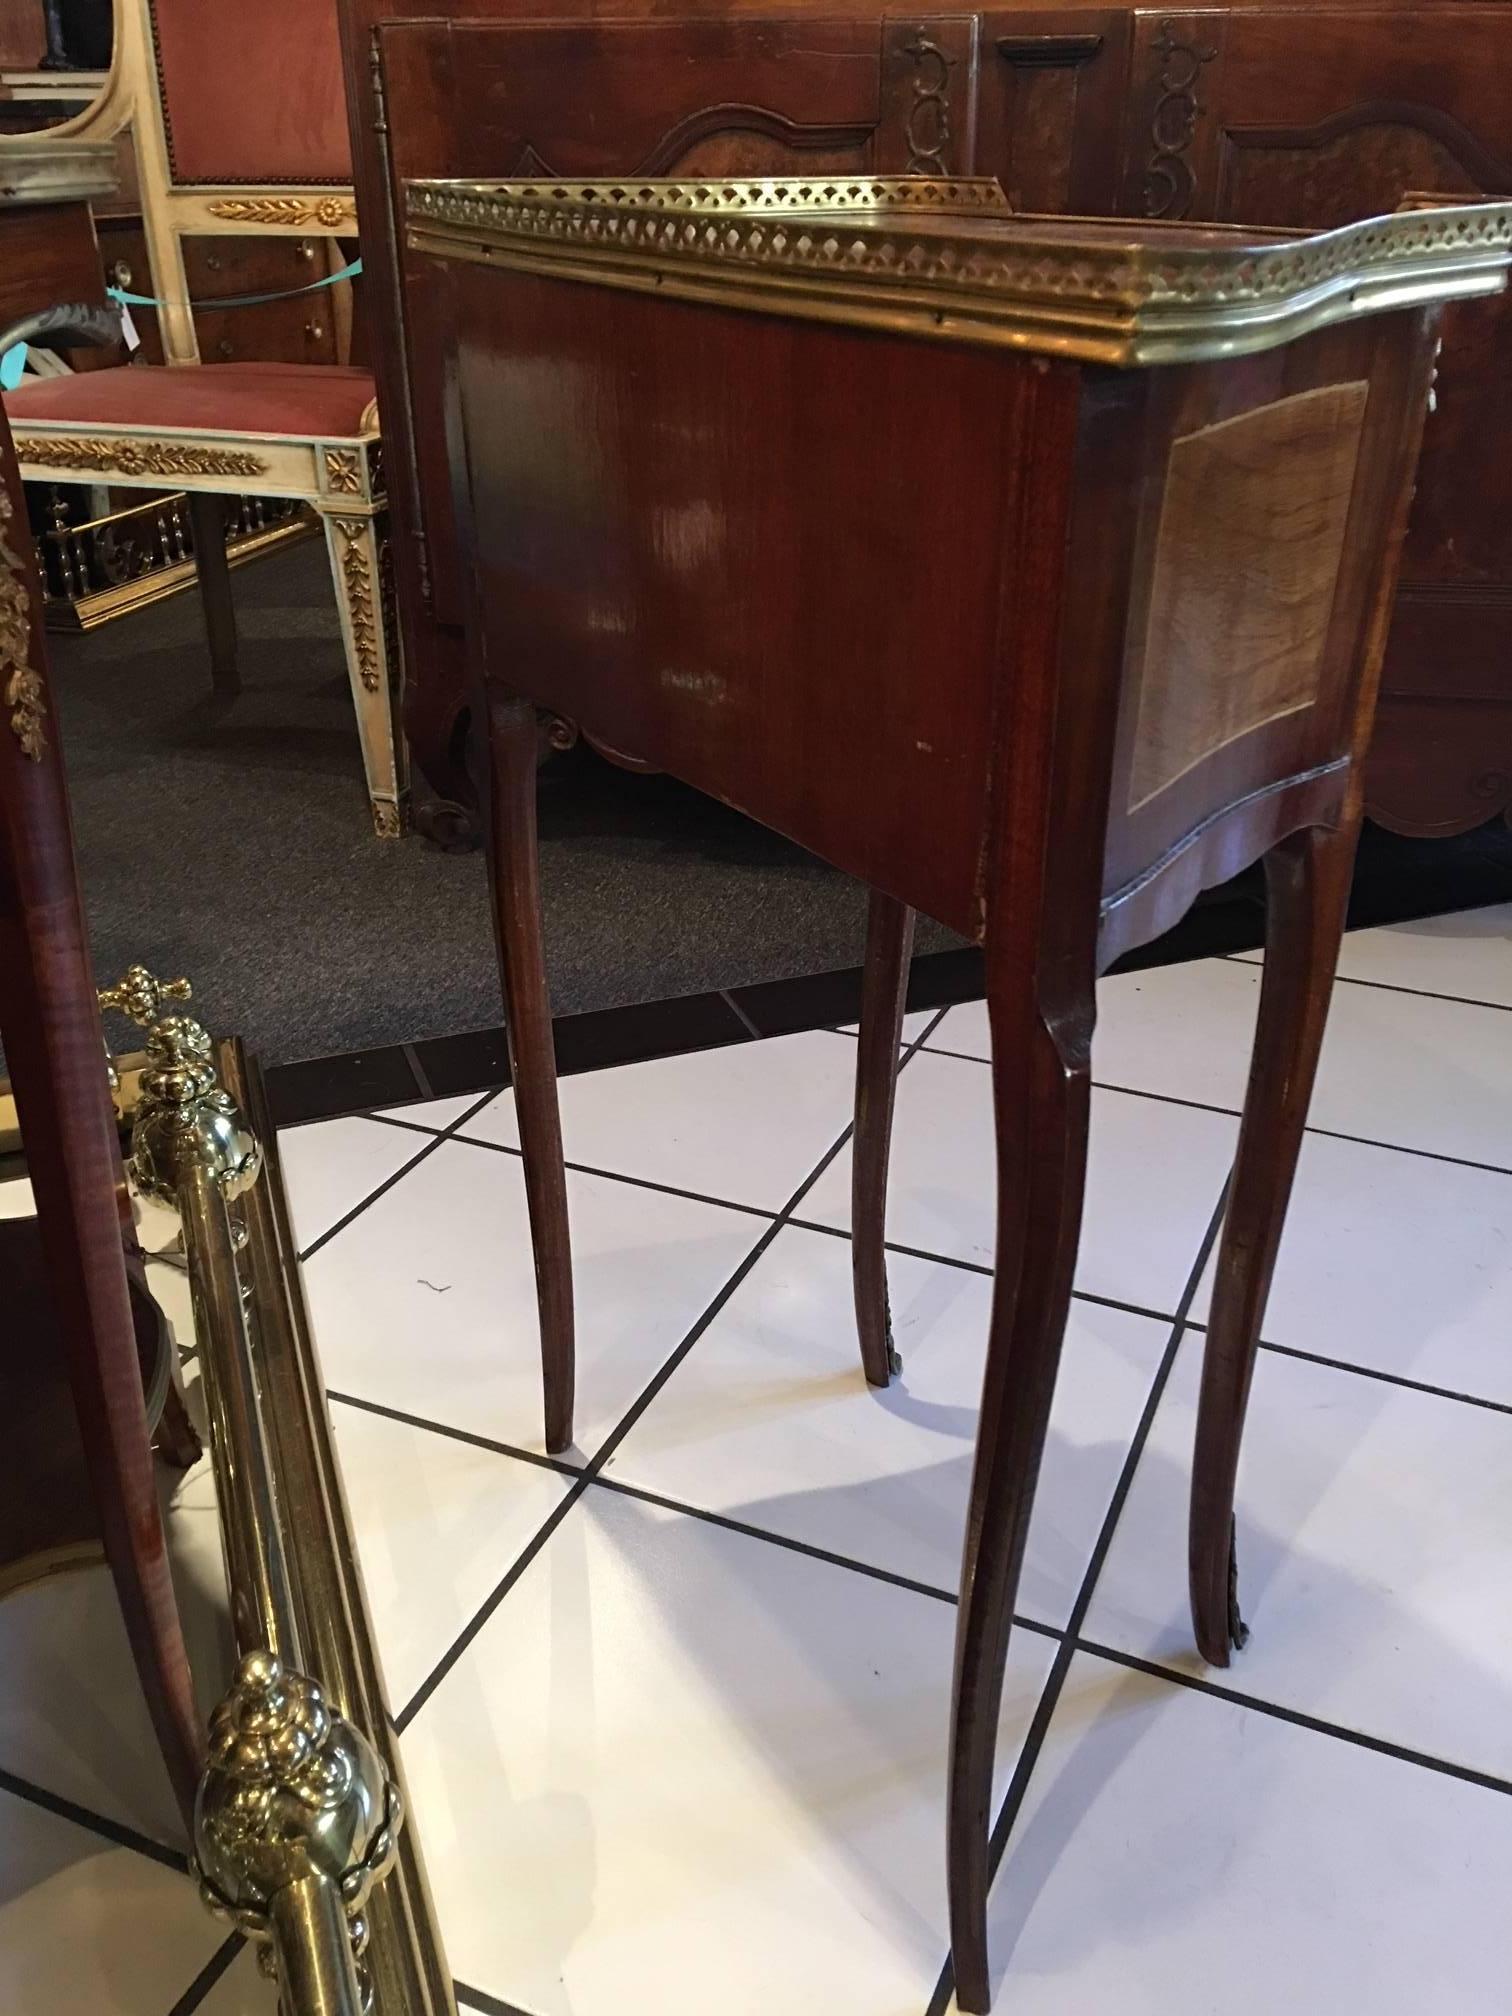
139 995
184 1117
292 1791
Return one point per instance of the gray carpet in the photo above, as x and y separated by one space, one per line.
230 841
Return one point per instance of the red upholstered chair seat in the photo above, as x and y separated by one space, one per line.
324 401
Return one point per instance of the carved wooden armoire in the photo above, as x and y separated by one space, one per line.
1249 113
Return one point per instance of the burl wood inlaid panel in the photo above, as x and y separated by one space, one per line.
1246 562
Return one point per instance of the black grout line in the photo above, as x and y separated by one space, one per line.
664 1372
467 1435
592 1168
435 1141
475 1624
1107 1085
607 1448
1422 993
660 1378
578 1470
1385 1378
785 1540
627 1490
217 1965
1234 1113
979 1267
1050 1695
1423 1154
738 1012
1382 1746
478 1998
409 1126
95 1823
638 1182
961 1056
1387 986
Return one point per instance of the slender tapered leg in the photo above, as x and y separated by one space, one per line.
355 538
207 520
49 1017
509 794
884 986
1307 890
1040 1080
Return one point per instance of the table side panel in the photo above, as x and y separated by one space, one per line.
804 93
1263 509
761 554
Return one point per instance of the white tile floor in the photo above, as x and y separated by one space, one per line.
675 1709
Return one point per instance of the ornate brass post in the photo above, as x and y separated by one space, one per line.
297 1814
295 1821
183 1118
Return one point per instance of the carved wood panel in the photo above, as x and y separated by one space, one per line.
1241 643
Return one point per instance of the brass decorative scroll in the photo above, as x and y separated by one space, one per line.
1169 183
25 695
357 579
329 212
928 122
125 457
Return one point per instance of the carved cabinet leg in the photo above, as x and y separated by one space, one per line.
884 987
509 795
1041 1094
207 519
1307 887
356 538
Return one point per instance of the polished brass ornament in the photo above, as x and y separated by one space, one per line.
330 212
184 1117
947 259
139 995
292 1793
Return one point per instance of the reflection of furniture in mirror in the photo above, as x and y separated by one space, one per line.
78 1337
1248 113
53 58
1159 518
228 140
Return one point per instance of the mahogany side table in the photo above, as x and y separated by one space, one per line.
1034 571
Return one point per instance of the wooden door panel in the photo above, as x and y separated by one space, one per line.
1051 105
1280 117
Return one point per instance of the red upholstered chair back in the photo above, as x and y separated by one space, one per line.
252 91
